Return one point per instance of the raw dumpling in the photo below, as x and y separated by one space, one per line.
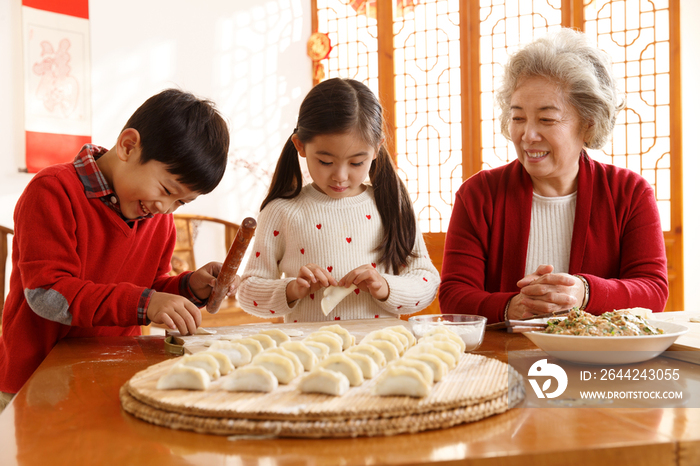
332 295
420 366
391 337
428 347
445 334
371 351
348 338
321 350
437 365
225 365
367 365
342 363
266 341
251 378
236 352
253 345
298 366
305 354
203 361
387 348
449 346
282 367
330 339
211 341
324 381
401 380
402 338
184 377
278 335
204 331
405 332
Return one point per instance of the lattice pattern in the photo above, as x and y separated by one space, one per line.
427 84
353 33
428 108
505 25
636 35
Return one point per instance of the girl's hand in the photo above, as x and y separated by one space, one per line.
203 281
310 278
367 279
542 293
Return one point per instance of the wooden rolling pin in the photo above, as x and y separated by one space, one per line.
231 263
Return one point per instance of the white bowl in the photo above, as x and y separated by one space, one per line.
608 350
470 328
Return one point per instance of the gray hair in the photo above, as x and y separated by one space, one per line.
584 73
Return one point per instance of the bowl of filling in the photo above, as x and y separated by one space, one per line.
617 337
469 328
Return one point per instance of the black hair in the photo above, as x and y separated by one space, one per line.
338 106
185 133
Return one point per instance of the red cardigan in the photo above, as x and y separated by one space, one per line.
86 253
617 244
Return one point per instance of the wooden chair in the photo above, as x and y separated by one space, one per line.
4 233
188 228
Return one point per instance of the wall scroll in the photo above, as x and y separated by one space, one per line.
57 114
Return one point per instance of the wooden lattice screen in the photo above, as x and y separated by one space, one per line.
436 64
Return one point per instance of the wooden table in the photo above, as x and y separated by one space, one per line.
68 413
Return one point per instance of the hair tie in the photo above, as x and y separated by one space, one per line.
295 130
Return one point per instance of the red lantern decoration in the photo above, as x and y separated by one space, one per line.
318 47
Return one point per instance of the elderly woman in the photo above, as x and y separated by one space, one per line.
554 229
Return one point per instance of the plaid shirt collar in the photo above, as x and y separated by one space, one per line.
93 180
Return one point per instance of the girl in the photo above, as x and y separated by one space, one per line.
338 230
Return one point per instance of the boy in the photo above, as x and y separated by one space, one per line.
91 255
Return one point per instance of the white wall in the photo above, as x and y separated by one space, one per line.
690 42
249 58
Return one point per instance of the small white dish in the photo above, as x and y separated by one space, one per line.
470 328
608 350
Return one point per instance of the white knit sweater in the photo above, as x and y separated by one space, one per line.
551 229
341 235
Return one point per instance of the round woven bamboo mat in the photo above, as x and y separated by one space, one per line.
478 387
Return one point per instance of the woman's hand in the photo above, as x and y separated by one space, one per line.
203 281
367 279
544 292
310 278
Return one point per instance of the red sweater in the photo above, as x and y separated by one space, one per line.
617 244
94 265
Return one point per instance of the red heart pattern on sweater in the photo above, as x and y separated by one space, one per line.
348 239
357 291
368 217
257 254
318 226
329 268
302 250
275 232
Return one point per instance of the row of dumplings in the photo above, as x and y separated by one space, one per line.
255 363
333 362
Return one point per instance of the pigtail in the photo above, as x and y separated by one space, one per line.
287 180
396 210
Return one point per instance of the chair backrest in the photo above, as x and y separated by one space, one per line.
187 226
4 233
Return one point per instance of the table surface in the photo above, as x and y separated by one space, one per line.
68 413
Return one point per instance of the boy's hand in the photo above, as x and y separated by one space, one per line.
311 278
176 312
367 279
203 280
